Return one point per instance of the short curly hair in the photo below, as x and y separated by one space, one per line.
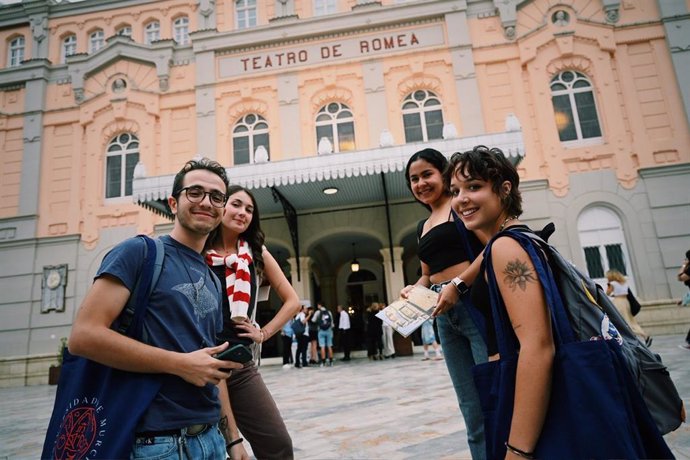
491 165
201 163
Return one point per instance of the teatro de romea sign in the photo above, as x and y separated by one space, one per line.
347 48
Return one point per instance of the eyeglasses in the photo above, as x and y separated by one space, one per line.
197 194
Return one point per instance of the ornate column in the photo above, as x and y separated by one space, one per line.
395 280
303 286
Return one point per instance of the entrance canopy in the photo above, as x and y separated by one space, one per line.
361 178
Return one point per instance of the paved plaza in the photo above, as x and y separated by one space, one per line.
394 409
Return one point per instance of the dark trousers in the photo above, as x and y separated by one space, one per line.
302 344
345 342
287 349
257 415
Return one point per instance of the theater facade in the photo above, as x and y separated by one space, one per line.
315 106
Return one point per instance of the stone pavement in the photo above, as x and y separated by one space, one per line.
394 409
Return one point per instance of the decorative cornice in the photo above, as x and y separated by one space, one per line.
332 166
664 171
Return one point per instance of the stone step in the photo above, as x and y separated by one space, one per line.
664 317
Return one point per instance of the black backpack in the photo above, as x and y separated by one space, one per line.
593 315
297 326
325 320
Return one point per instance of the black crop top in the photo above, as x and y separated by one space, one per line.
229 332
442 246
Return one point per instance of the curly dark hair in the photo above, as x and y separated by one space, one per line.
253 235
201 163
433 157
492 166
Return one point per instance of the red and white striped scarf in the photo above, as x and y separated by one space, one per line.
237 275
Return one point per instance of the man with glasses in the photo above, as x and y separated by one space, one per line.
181 323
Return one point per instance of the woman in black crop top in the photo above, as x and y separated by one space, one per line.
484 185
443 256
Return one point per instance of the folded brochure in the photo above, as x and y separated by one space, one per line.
406 315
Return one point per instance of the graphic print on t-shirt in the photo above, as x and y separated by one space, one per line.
201 298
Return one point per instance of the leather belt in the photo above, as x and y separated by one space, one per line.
191 430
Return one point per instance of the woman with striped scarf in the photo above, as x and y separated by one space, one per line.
236 253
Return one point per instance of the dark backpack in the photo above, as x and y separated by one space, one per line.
325 320
593 317
297 326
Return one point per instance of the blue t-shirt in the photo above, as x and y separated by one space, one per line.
183 315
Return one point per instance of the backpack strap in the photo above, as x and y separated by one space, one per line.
131 320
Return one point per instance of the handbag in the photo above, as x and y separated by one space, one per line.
97 407
635 306
595 410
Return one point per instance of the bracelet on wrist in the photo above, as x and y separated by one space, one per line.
518 452
232 443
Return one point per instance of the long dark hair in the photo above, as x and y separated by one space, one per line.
253 235
433 157
490 165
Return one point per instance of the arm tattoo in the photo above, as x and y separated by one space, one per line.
517 273
223 425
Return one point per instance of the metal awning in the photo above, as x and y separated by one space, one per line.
301 181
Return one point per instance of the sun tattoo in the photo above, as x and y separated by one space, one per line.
517 273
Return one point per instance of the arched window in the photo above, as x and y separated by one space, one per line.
124 30
322 7
69 47
603 244
335 122
152 32
250 132
15 52
422 116
573 103
96 40
181 30
245 11
122 155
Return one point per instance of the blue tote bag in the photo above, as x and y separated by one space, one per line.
595 410
97 407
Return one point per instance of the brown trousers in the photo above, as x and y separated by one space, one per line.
257 415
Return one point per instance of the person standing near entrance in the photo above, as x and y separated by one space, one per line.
313 331
236 253
299 326
443 257
344 328
323 318
182 322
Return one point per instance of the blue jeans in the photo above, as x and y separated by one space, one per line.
464 347
207 445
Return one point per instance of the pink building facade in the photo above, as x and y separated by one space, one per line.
102 102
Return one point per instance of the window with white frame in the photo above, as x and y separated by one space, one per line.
574 107
422 116
96 40
125 31
69 47
181 30
122 155
15 52
245 11
335 122
322 7
603 244
250 132
152 32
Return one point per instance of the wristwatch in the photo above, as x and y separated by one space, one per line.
460 285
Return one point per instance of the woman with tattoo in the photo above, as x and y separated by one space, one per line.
443 256
237 255
484 186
